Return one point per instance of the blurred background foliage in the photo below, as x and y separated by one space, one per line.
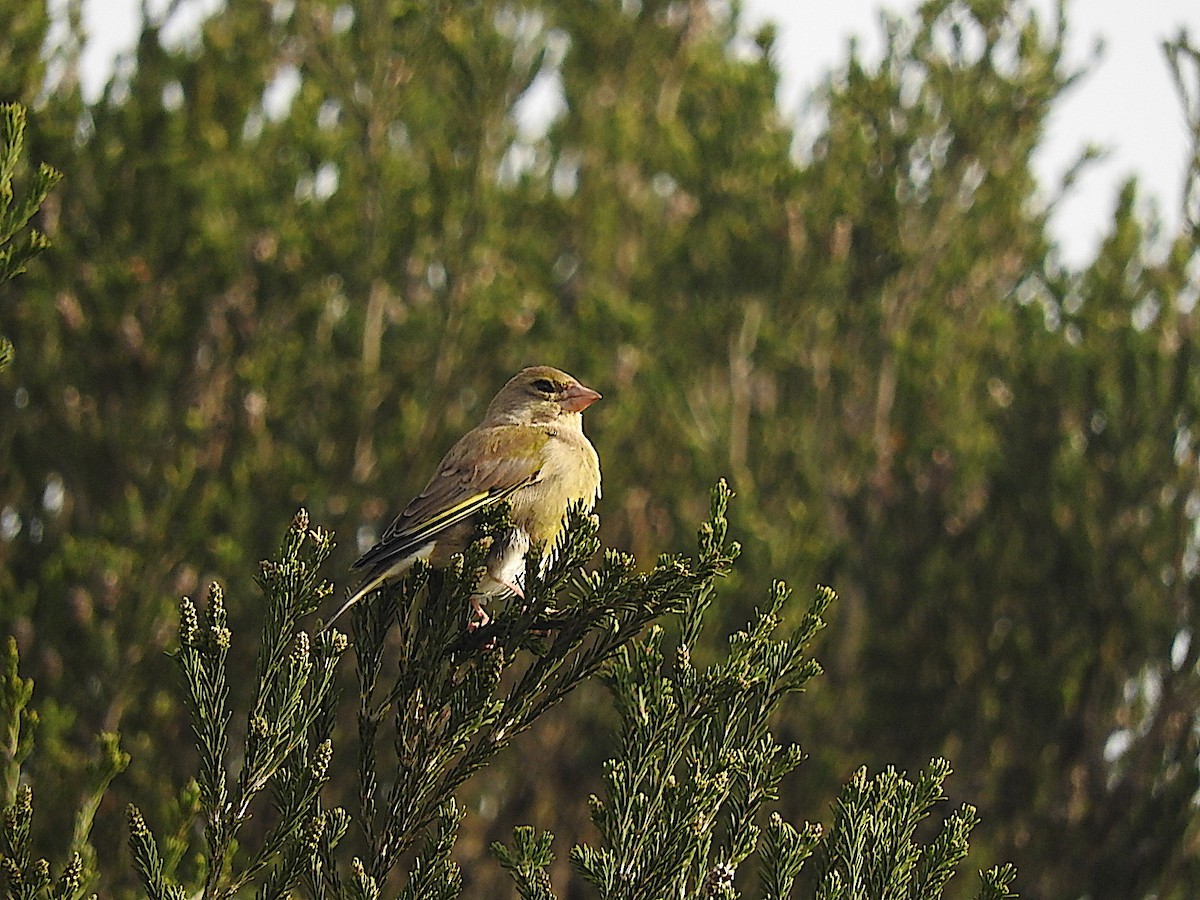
295 254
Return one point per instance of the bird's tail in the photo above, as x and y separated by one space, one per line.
361 591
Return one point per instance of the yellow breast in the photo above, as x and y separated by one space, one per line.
570 471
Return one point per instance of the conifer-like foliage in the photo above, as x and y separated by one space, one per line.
286 745
25 870
18 244
686 799
458 699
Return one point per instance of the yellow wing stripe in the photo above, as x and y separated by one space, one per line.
460 512
404 542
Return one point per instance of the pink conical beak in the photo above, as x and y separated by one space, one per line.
577 398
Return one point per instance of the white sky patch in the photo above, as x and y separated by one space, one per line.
540 105
280 93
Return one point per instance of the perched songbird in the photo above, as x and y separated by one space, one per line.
529 450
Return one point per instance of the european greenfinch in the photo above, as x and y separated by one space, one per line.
529 450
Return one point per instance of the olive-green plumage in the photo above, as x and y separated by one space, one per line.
530 450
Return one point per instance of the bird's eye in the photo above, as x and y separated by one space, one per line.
545 385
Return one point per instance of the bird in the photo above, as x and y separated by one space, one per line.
529 450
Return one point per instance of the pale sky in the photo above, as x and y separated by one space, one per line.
1128 105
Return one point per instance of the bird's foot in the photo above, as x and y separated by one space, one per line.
479 616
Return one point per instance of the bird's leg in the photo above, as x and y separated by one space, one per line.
515 588
479 616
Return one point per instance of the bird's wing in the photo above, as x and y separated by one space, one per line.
462 487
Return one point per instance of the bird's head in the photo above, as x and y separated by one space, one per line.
540 395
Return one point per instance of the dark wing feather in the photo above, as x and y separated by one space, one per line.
459 490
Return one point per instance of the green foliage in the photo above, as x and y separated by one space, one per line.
27 878
26 875
696 762
785 851
672 791
19 723
871 851
526 862
997 882
286 746
18 246
456 703
696 766
147 861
